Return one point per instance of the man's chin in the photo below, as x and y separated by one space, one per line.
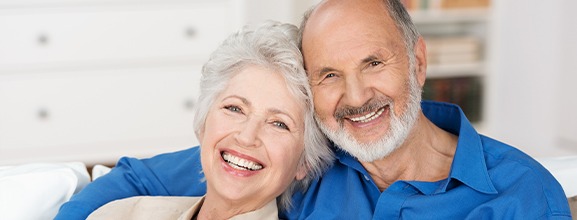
367 152
363 150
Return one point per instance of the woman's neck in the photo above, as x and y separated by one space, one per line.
215 208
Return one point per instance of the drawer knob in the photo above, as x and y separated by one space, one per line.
189 104
43 114
42 40
190 32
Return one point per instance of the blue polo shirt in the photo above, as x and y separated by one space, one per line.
488 180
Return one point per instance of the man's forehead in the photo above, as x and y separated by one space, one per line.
347 31
347 9
347 17
349 4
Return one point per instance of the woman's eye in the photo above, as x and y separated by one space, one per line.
233 108
281 125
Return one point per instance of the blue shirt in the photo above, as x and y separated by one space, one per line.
488 180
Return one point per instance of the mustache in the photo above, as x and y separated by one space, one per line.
371 105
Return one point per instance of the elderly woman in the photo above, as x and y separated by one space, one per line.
258 139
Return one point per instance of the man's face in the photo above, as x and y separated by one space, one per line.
366 94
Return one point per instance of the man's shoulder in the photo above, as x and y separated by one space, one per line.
185 153
170 158
166 168
515 173
499 155
504 158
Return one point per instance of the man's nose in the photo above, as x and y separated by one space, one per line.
248 133
357 91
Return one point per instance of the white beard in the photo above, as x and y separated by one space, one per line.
399 129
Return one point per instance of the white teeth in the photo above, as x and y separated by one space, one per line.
368 117
239 163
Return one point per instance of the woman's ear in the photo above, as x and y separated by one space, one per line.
301 173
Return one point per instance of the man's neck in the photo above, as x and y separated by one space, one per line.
426 155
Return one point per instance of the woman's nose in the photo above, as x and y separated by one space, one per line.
248 134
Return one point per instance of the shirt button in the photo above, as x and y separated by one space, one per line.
367 178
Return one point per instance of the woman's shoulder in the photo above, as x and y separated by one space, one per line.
145 207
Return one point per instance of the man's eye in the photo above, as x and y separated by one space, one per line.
330 75
281 125
327 78
375 63
233 108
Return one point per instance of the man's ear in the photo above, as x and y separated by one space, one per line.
421 61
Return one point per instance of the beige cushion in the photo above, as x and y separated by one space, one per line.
573 206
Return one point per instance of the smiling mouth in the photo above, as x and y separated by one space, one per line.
240 163
368 117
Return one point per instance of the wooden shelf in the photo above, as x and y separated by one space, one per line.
456 70
436 16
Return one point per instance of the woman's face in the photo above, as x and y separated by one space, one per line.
252 140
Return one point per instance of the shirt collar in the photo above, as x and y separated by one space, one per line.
469 161
348 160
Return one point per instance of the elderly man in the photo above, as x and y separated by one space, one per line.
397 157
367 65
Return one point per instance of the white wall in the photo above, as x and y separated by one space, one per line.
533 61
567 100
533 58
290 11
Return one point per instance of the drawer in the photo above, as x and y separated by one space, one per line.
50 3
113 33
71 110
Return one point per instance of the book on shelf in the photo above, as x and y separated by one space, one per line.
444 4
453 50
455 4
463 91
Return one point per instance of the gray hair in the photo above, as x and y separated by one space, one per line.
400 16
274 46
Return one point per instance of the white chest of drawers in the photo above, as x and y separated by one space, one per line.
91 81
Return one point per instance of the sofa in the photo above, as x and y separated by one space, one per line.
36 190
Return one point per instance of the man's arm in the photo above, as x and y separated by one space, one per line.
171 174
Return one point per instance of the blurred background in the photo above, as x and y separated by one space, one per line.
94 80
